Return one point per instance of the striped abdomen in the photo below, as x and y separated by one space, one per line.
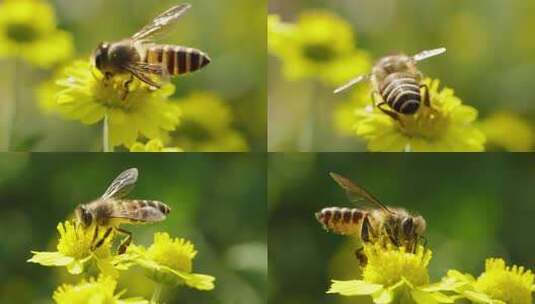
343 221
176 60
401 91
135 211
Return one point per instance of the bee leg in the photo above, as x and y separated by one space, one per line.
104 237
391 234
126 242
388 112
365 230
361 257
126 87
95 235
426 99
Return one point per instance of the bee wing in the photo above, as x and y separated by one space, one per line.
351 83
159 23
138 210
356 193
122 184
144 71
428 54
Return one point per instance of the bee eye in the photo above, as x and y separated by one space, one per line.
86 218
408 226
100 54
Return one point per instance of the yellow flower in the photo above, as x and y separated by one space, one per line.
207 125
498 284
344 113
447 126
82 94
508 131
153 145
28 31
100 291
168 261
513 285
319 45
74 250
393 275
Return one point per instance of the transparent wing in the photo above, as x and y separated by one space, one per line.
122 184
145 71
428 54
355 192
165 19
351 83
138 210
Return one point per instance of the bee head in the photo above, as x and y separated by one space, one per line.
84 216
413 226
101 55
393 64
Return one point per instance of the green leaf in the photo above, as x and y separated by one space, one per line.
354 288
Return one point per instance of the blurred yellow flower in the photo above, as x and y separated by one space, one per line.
393 275
100 291
28 31
319 45
206 125
508 131
448 126
344 112
168 261
153 145
81 94
499 284
74 250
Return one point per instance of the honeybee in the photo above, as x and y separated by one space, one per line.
140 57
112 209
396 82
372 224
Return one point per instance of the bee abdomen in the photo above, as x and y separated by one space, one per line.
163 208
341 220
176 60
401 91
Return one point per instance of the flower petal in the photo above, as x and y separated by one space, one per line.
50 258
354 288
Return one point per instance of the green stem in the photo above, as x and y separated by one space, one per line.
9 111
106 147
157 293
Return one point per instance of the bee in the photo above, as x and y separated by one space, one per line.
112 209
140 57
372 224
396 82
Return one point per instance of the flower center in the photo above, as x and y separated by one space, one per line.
386 266
427 123
22 33
319 52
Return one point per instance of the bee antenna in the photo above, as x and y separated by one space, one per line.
351 83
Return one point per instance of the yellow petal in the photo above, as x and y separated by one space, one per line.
50 258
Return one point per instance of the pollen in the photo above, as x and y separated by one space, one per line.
388 265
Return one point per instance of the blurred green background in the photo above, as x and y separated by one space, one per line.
490 61
217 201
476 206
231 32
